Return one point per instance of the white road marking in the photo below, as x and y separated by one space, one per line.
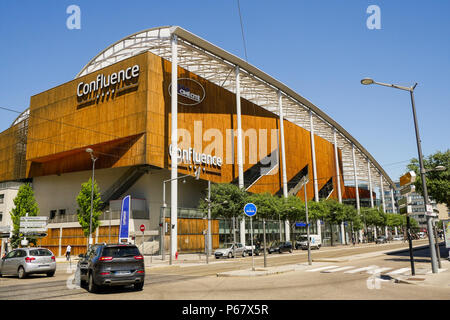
379 270
399 271
361 269
322 268
338 269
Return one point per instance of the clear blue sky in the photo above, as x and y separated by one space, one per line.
321 49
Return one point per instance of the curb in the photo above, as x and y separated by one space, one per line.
256 273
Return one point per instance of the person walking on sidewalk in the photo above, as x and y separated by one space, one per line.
68 249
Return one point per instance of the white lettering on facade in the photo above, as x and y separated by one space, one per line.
191 156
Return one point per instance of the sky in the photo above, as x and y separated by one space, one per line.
319 48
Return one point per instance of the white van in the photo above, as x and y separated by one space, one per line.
315 241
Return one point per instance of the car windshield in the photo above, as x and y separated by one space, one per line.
40 253
302 238
120 252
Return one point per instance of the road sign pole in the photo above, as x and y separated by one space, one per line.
253 254
411 257
264 238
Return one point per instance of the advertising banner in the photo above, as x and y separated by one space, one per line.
125 219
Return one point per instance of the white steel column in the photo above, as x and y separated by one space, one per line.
382 199
174 138
313 152
371 196
355 174
283 162
239 147
393 207
338 182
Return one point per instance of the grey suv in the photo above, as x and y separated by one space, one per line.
24 261
112 265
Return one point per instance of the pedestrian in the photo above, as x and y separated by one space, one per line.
353 239
68 249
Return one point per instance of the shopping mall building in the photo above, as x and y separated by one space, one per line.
164 93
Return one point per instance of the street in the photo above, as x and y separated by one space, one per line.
347 273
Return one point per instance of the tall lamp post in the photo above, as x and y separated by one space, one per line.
368 81
93 158
163 218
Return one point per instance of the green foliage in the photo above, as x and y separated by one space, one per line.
84 207
269 206
438 182
227 201
373 217
24 203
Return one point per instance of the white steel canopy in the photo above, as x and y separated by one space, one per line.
218 66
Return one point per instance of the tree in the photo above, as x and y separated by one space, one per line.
227 201
84 207
334 214
438 182
293 209
24 203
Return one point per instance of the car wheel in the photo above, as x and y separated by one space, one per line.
290 250
230 255
217 257
279 251
22 273
243 254
92 287
138 286
50 274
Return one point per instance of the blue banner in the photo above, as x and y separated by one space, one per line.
125 218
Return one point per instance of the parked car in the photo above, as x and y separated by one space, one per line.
421 235
314 242
112 265
281 247
381 239
256 249
231 250
398 238
24 261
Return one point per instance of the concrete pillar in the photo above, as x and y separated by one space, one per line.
338 182
174 140
313 153
96 235
283 162
239 147
355 174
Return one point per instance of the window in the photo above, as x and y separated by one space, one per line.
1 216
62 212
2 198
52 214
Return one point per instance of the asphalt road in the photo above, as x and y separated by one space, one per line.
200 282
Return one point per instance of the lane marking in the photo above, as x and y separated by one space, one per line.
361 269
379 270
338 269
398 271
322 268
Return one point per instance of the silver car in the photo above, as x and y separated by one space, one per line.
25 261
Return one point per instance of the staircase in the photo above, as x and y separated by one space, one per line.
124 183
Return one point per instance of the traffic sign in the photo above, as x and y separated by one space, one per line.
300 224
408 189
250 209
408 178
33 224
142 228
406 210
42 218
404 201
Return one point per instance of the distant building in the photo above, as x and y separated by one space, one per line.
418 205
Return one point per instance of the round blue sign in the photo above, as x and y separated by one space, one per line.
250 209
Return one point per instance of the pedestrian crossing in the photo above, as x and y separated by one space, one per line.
373 269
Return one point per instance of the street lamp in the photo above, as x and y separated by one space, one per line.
368 81
93 158
163 218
